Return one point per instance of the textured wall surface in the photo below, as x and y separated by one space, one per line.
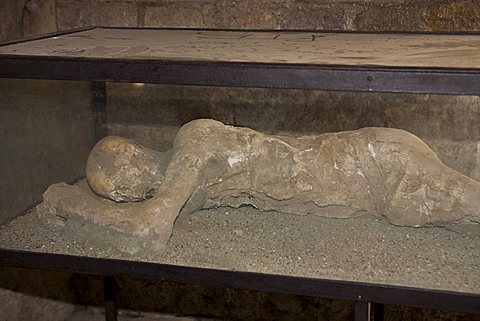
35 295
153 114
441 15
47 130
20 18
11 15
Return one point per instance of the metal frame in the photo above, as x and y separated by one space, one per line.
245 75
336 289
343 78
46 35
98 101
362 311
109 288
295 76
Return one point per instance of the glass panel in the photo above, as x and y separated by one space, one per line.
335 185
47 129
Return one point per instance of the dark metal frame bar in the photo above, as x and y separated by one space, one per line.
47 35
362 311
378 311
340 78
336 289
98 101
109 297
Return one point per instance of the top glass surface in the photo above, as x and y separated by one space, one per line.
319 48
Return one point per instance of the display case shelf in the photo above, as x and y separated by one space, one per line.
369 62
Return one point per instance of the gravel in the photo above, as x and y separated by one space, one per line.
364 248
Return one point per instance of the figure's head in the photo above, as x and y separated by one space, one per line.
122 170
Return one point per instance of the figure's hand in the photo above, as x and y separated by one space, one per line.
161 213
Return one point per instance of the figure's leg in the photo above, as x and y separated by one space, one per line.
419 188
431 193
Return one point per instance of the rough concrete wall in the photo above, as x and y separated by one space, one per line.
39 17
23 18
445 15
11 14
35 295
47 130
19 18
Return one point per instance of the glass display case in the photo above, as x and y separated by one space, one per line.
343 165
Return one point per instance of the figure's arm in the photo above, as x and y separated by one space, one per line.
159 184
198 145
181 179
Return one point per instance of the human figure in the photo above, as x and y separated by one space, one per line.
381 171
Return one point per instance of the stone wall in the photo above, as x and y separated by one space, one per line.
278 14
154 113
22 18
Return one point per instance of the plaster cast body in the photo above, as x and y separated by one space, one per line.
381 171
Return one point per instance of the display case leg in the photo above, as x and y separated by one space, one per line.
362 311
109 295
99 108
378 312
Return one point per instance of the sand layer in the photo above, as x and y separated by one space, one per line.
359 249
